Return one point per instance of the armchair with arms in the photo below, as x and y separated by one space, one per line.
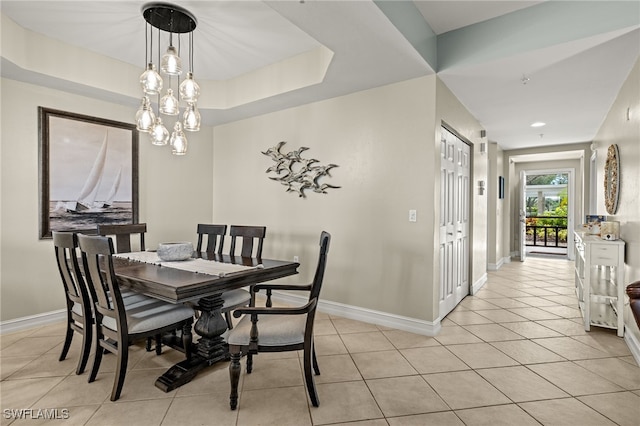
278 329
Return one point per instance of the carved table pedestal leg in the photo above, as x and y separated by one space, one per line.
210 349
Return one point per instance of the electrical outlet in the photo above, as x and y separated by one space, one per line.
296 259
413 216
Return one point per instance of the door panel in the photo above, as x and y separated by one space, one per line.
454 221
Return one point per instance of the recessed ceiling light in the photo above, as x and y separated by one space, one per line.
538 124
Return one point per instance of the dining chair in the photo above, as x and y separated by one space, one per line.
251 238
278 329
79 315
124 234
214 236
119 324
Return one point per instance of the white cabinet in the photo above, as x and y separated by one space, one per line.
599 279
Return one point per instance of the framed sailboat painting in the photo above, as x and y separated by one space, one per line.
88 172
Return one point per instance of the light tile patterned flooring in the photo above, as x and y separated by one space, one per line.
514 354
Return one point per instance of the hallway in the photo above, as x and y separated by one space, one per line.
514 354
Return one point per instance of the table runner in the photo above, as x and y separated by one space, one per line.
202 266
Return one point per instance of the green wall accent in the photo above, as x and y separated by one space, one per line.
406 17
535 27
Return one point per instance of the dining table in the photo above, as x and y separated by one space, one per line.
200 281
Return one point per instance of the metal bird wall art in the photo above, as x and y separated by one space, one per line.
298 174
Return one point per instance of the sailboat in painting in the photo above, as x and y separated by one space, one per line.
114 190
86 200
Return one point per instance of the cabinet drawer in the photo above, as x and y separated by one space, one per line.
604 255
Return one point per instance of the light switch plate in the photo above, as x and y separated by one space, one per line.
413 216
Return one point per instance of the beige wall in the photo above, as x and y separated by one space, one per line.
497 250
175 194
616 129
384 141
450 111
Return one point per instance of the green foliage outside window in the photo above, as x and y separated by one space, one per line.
555 210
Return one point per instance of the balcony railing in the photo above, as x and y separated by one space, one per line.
546 231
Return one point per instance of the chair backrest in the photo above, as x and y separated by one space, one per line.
101 279
318 278
316 285
215 237
66 249
250 235
123 233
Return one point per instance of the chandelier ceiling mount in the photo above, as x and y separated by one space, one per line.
169 18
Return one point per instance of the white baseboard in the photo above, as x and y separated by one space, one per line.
24 323
633 344
398 322
475 288
496 266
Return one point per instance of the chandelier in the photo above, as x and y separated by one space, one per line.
173 21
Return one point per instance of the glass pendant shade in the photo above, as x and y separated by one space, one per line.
189 89
171 63
159 134
191 118
169 104
145 118
151 81
178 140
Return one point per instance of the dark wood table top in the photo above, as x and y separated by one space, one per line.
178 286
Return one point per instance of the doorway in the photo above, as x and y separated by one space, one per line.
455 195
546 213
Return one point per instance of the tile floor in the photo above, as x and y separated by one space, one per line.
514 354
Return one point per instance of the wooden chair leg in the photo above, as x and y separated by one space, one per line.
234 376
67 343
97 358
249 363
316 369
121 371
87 339
148 345
308 377
229 319
158 344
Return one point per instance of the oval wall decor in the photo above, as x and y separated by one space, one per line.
612 179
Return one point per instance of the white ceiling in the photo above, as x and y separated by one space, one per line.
575 69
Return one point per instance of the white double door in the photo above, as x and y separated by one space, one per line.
455 172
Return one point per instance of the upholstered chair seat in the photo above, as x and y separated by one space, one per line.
150 314
275 330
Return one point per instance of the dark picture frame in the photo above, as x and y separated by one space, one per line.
88 172
500 187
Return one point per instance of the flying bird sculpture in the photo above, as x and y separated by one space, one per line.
298 174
